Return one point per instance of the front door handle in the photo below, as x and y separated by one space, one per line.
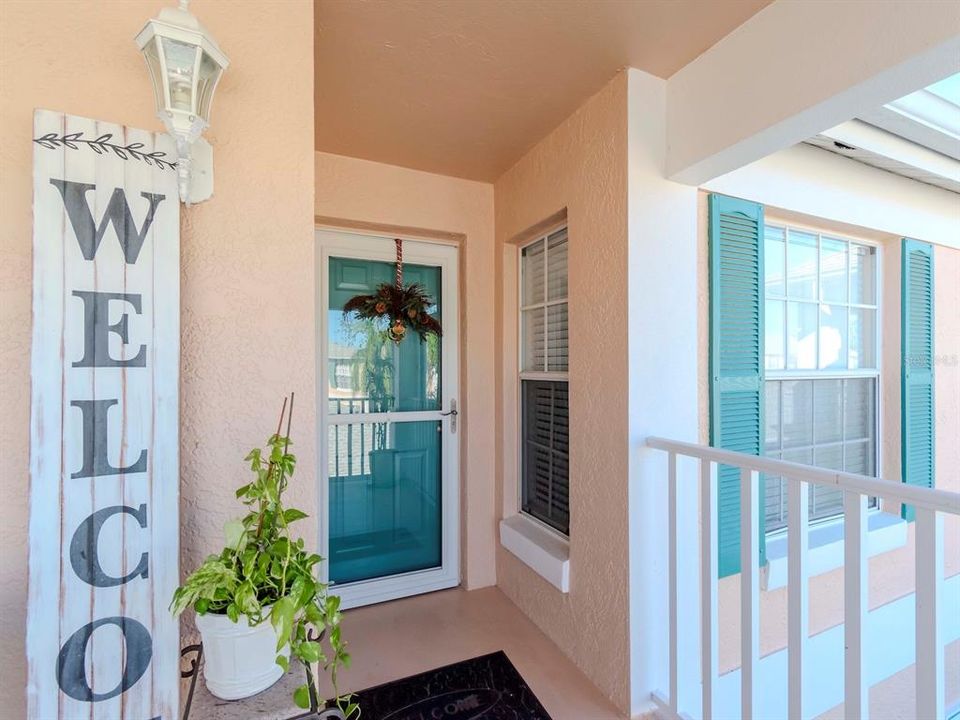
453 415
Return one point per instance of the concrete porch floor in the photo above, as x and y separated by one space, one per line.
404 637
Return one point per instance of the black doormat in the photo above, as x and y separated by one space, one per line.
484 688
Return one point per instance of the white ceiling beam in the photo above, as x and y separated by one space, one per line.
922 117
798 68
862 136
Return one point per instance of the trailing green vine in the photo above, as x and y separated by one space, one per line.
263 573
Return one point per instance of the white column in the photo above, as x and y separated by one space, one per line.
856 692
749 591
709 577
798 511
672 525
929 549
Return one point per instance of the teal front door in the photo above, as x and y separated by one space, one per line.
390 429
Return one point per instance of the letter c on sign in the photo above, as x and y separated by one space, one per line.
71 668
83 548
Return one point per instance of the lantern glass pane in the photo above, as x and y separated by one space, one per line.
152 56
207 80
181 60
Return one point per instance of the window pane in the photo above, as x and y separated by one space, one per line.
557 262
863 275
827 411
801 336
774 261
772 416
804 457
863 338
774 502
833 270
557 338
774 343
534 354
833 336
802 265
827 501
861 458
859 408
545 481
797 399
775 492
533 274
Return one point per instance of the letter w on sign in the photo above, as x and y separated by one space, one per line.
104 458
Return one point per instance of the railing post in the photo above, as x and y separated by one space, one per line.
749 591
856 691
929 569
798 515
709 578
672 525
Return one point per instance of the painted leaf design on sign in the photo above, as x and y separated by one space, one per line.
102 144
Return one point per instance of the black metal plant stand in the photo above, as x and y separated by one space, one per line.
193 672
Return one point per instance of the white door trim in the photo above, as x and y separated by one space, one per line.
332 243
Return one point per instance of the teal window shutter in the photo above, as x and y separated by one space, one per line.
916 366
736 357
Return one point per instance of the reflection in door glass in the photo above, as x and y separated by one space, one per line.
366 371
385 499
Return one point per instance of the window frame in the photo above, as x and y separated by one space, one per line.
875 373
541 375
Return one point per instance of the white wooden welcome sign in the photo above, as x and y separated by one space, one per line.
104 424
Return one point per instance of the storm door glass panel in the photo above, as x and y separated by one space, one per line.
368 372
385 473
385 503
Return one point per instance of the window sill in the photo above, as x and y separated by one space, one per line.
885 532
546 553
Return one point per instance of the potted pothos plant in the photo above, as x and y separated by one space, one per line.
259 601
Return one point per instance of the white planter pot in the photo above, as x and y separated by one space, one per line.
239 660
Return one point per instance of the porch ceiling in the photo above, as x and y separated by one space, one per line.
465 87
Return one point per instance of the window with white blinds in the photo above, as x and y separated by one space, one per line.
544 482
821 361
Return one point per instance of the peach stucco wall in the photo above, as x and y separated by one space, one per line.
580 168
246 254
384 199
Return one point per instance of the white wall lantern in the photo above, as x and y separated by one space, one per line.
185 65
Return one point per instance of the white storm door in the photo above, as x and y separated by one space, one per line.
389 476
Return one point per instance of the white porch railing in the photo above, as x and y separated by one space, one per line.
685 589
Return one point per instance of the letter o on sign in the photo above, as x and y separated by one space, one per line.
71 669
